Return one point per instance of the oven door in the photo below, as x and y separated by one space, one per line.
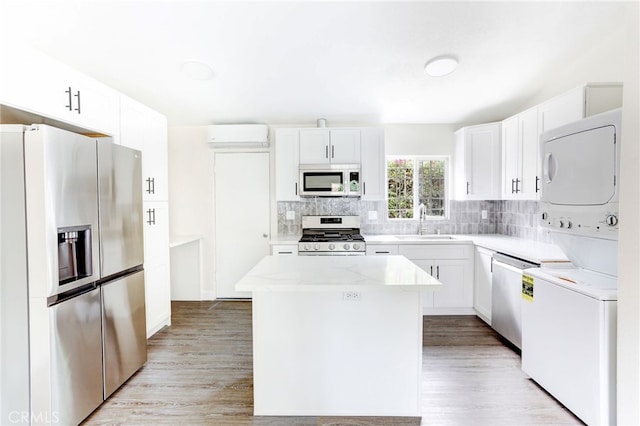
322 183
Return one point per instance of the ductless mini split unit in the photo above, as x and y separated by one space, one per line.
238 136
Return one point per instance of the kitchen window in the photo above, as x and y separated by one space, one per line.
412 181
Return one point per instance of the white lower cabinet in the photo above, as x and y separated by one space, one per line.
157 265
382 249
451 264
284 249
482 284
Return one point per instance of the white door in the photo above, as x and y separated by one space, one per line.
241 185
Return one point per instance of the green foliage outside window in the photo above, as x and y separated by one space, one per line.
412 182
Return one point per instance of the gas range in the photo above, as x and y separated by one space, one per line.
331 236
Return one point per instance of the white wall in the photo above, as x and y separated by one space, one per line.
419 139
604 62
191 193
629 244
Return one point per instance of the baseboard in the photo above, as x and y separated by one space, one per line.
448 311
164 322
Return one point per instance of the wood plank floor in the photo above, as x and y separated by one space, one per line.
199 372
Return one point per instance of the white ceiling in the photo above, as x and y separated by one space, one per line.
294 62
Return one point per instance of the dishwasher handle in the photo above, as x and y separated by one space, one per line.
514 261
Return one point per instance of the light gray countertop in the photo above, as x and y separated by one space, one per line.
336 273
519 247
533 251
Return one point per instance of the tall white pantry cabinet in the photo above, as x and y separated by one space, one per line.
146 130
38 89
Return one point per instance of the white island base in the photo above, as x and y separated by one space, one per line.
336 336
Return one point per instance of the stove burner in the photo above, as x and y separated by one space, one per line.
338 236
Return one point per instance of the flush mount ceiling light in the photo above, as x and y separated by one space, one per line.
441 66
197 70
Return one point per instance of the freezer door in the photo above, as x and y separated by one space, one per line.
61 194
120 200
124 329
76 357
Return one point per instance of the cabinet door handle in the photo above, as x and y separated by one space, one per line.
77 95
332 151
296 188
382 252
517 185
151 216
68 92
467 187
151 185
364 188
438 271
537 182
431 270
512 183
326 151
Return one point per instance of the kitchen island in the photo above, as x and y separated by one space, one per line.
337 335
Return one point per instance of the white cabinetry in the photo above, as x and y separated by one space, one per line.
146 130
287 157
361 146
373 164
34 82
329 146
520 156
477 162
482 284
284 250
583 101
382 249
451 264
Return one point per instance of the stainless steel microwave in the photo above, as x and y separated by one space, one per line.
330 180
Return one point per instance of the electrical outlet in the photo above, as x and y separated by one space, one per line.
290 215
352 296
484 214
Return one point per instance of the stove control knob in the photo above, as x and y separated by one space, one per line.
332 246
316 246
569 224
561 224
545 215
612 220
356 246
307 247
347 246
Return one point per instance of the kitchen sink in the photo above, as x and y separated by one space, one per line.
430 237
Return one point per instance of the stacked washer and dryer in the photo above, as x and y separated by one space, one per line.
569 313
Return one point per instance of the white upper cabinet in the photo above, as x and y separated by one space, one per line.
329 146
146 130
287 157
34 82
581 102
373 165
477 162
520 175
521 163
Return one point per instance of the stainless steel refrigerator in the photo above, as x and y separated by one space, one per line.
84 279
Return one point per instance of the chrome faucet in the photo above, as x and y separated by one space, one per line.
422 213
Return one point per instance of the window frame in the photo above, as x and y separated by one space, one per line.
415 159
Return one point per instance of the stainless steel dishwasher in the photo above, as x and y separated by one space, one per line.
506 296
